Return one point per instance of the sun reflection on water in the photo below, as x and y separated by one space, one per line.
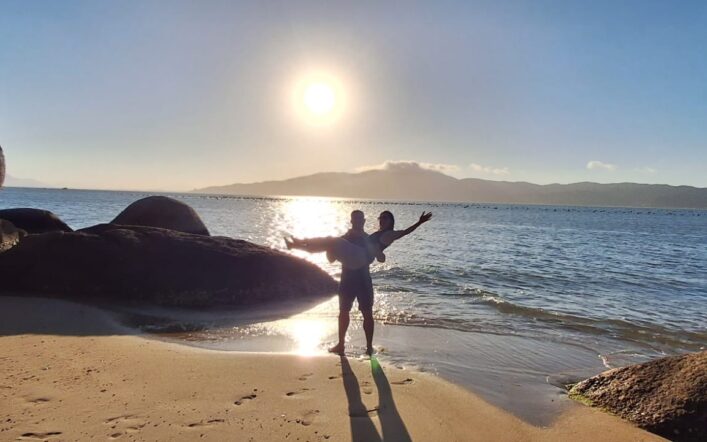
304 217
309 335
308 332
307 217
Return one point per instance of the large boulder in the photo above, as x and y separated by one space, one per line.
2 167
34 220
667 396
132 264
9 235
163 212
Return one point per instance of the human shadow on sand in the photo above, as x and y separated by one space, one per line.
362 426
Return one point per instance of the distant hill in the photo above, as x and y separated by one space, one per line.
419 184
11 181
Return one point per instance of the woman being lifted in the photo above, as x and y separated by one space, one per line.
354 256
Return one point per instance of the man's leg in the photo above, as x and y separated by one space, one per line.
345 304
368 329
344 320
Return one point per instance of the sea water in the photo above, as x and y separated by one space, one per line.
500 298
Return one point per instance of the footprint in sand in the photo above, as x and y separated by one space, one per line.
366 387
403 382
208 423
296 392
40 436
307 418
248 397
305 376
126 423
363 412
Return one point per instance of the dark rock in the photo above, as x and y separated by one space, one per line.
9 235
162 212
134 264
2 167
34 220
667 396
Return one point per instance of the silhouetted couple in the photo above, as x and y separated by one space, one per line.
356 250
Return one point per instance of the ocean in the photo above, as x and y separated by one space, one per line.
505 300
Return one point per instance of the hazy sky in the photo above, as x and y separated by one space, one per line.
178 95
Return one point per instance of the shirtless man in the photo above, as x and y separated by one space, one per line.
356 284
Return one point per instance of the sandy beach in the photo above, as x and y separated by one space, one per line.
69 372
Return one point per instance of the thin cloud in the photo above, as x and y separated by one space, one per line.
599 165
489 170
410 165
646 169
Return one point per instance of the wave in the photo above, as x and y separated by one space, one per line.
537 321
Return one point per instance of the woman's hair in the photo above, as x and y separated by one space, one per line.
389 214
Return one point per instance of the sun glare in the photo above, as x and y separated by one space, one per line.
319 99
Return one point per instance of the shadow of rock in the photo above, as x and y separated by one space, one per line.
28 315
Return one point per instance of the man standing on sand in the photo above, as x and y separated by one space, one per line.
355 284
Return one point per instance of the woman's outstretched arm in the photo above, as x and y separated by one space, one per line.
395 235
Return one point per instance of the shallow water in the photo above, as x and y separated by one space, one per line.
486 295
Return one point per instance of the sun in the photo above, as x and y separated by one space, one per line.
319 98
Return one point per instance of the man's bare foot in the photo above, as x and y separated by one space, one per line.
369 351
337 349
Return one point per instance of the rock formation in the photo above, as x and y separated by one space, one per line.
34 220
9 235
163 212
135 264
667 396
2 167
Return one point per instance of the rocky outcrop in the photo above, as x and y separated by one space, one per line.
667 396
9 235
34 220
2 167
162 212
134 264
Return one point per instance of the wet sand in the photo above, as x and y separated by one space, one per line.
524 376
70 372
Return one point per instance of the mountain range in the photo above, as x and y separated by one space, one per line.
415 183
11 181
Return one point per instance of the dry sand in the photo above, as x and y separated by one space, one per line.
69 372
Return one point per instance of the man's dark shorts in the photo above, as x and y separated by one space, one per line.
356 284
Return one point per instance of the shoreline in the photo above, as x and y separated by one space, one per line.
520 374
72 373
503 373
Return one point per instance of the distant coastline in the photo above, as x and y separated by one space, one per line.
431 186
204 192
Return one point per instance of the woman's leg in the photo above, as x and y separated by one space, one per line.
312 245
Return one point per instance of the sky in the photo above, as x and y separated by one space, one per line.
177 95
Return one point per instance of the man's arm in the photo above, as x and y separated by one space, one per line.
331 258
